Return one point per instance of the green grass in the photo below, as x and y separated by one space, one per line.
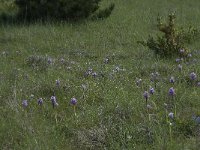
110 113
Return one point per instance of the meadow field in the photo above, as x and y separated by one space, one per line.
101 65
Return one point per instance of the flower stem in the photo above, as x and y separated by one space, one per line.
75 110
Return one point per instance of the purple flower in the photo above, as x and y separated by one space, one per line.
196 119
24 103
53 101
198 84
32 96
57 82
89 71
193 76
73 101
149 107
106 61
138 82
171 115
117 68
151 90
189 55
62 60
182 51
178 59
49 60
154 76
172 80
40 101
146 95
172 91
94 74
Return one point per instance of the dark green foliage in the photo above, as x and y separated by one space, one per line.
103 13
173 40
57 9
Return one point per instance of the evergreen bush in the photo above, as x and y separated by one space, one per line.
57 9
173 40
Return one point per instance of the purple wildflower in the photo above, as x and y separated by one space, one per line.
40 101
149 107
151 90
73 101
172 80
62 60
57 82
182 51
106 61
53 101
146 95
171 115
49 60
94 74
86 74
117 68
171 91
178 59
189 55
138 82
32 96
198 84
89 71
193 76
154 76
24 103
196 119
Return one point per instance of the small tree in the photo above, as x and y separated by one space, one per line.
58 9
173 40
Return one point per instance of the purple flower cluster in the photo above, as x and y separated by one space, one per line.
193 76
146 95
57 82
106 60
40 101
179 59
172 80
182 51
90 72
155 76
53 101
189 55
151 90
138 82
73 101
171 91
171 115
24 103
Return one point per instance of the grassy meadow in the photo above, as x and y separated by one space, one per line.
98 63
